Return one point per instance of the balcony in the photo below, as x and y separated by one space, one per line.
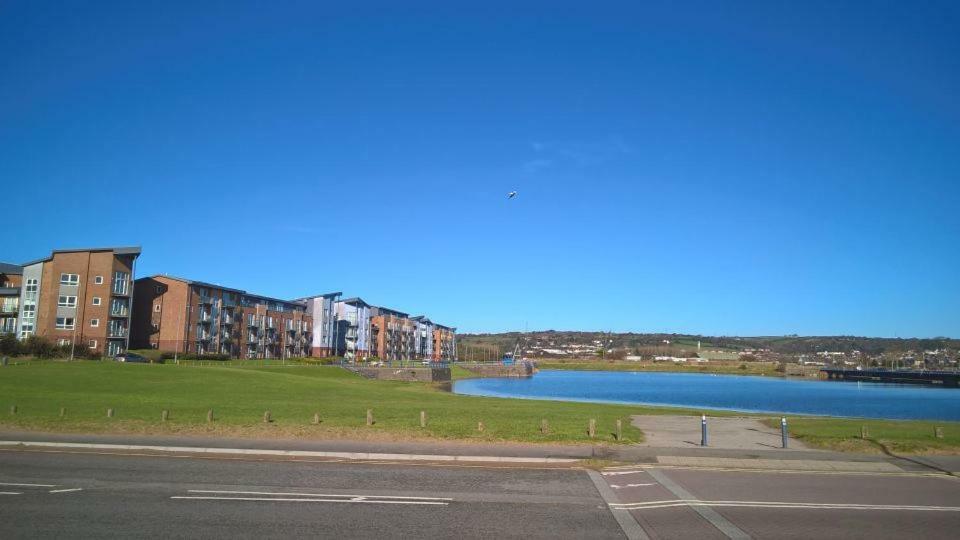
119 312
121 287
206 300
204 318
6 309
116 332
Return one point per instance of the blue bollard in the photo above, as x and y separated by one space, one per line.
783 430
703 430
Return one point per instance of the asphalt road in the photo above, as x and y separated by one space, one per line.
145 496
702 503
46 494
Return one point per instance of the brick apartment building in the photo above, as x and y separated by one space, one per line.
193 317
392 334
75 296
444 342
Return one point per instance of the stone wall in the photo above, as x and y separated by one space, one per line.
524 369
421 374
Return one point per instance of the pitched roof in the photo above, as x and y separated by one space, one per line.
7 268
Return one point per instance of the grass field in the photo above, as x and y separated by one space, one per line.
843 434
239 396
240 393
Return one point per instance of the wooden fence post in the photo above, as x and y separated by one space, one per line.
544 426
369 417
164 414
480 426
210 416
13 409
110 412
423 419
592 428
863 432
316 418
63 412
266 417
619 430
938 432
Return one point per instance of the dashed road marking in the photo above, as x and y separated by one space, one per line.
10 493
27 485
674 503
632 485
313 500
65 490
320 495
267 496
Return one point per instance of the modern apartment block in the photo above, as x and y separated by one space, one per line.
11 277
353 328
423 338
194 317
322 309
444 343
74 296
392 334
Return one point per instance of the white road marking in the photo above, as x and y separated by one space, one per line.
314 500
27 485
320 495
66 490
632 485
10 493
619 473
673 503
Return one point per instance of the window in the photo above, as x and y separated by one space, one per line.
157 308
67 301
120 283
98 280
118 307
30 289
92 344
159 289
29 311
26 330
63 342
69 279
65 323
94 323
96 300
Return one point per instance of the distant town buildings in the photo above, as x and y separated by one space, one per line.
89 298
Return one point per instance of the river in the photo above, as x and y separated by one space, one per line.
728 392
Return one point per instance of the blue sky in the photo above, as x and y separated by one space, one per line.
720 168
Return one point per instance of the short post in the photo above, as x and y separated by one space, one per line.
783 430
209 415
110 412
4 360
619 429
63 412
480 426
369 417
164 415
544 426
423 419
266 417
592 428
13 409
938 432
703 430
316 418
863 432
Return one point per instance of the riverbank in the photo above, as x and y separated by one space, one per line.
767 369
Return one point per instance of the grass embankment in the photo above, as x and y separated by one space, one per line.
239 396
728 368
897 436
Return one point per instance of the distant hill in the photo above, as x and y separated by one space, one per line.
672 343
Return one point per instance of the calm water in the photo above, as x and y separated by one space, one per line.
731 392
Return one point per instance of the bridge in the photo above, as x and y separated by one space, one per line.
949 379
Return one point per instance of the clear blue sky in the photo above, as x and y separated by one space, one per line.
715 167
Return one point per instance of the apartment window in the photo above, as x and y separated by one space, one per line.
67 301
92 344
159 289
30 289
98 280
94 323
26 330
118 307
65 323
63 342
69 279
96 300
156 308
29 311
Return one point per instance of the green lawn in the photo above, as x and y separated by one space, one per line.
239 397
897 436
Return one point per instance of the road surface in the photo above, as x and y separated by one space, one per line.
71 494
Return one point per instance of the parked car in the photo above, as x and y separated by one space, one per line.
130 357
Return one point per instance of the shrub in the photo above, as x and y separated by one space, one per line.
166 356
39 347
9 345
209 356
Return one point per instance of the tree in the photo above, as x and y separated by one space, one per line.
9 346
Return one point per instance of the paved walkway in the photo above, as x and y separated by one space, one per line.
780 464
666 431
